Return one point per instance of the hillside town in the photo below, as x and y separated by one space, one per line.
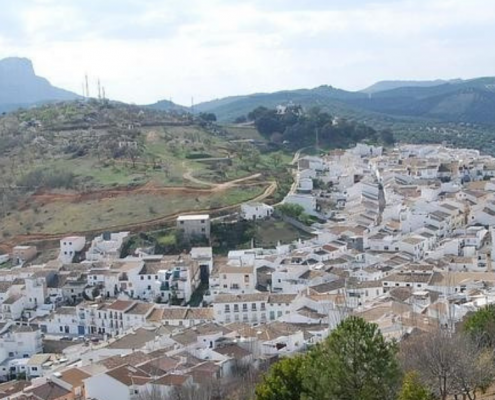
404 238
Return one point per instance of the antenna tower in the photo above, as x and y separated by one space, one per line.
87 85
99 89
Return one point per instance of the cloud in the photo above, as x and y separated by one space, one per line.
145 50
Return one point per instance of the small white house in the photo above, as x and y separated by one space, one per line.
254 211
69 246
194 225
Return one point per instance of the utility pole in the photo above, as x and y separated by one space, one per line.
99 89
87 85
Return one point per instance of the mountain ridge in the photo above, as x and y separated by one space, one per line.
21 87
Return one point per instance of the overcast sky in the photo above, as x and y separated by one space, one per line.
146 50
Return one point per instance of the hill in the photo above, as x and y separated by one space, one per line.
20 86
382 86
330 98
470 101
89 166
167 105
458 101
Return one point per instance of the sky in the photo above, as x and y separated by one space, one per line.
148 50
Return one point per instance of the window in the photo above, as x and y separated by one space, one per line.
149 287
203 230
262 306
182 222
227 308
253 307
142 277
34 368
236 307
244 307
149 277
202 221
246 278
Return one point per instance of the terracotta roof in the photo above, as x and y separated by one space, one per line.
233 351
49 391
135 340
140 308
74 376
160 365
172 380
9 388
134 358
120 305
129 375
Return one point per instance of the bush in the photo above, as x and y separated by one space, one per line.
291 210
52 179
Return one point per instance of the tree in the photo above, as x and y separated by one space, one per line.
481 326
449 365
291 210
241 119
208 117
354 362
413 389
284 381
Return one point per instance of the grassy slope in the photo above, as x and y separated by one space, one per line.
65 216
162 145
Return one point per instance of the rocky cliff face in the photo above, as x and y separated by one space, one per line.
20 86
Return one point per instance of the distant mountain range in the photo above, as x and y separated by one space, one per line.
389 85
21 87
469 101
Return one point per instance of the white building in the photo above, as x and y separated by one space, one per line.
106 246
254 211
194 225
69 246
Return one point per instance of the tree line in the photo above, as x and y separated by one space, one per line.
298 127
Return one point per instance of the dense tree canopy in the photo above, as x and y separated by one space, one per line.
481 325
314 126
354 363
284 381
